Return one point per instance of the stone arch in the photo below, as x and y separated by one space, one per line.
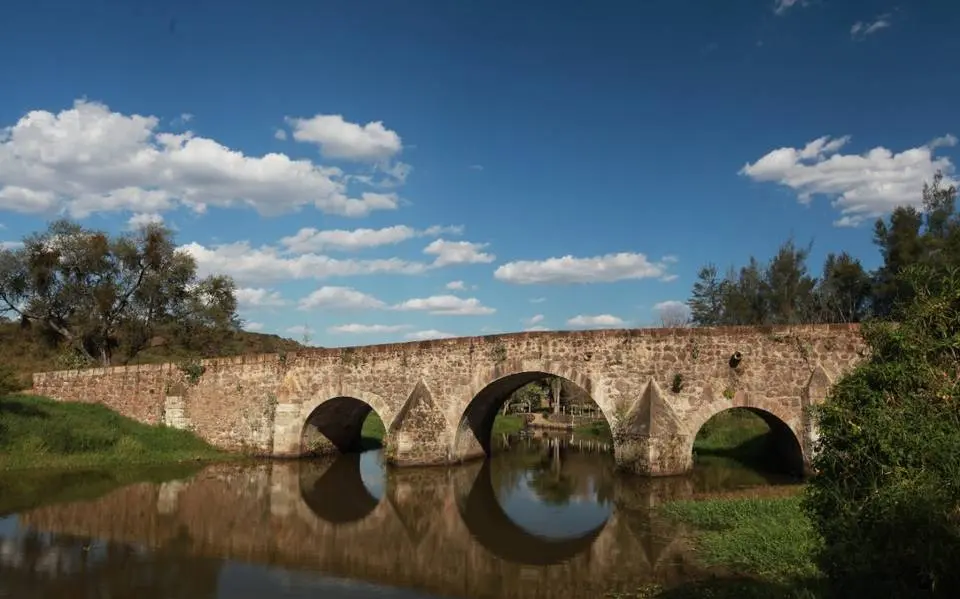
332 419
490 387
783 415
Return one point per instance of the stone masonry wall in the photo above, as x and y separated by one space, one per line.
422 390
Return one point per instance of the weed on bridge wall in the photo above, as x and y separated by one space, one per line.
886 497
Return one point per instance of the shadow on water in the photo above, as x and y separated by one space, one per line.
542 519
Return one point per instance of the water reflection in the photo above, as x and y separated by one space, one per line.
543 519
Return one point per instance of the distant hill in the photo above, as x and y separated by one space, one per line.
23 352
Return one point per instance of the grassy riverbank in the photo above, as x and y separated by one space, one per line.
507 424
36 432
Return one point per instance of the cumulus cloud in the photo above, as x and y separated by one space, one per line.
862 29
672 313
457 252
599 321
537 328
862 186
456 286
253 327
447 305
250 297
344 140
310 239
538 300
428 334
568 269
300 330
340 298
142 219
364 329
89 159
536 318
256 266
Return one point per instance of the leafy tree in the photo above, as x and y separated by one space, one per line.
787 289
886 496
706 303
843 292
101 295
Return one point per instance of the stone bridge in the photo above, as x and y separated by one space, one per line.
438 399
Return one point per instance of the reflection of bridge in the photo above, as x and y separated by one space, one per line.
431 531
438 399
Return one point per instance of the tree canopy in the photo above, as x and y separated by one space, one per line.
783 291
105 296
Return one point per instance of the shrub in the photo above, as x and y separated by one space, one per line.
9 381
886 494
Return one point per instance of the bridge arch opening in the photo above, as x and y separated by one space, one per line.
341 424
752 438
535 400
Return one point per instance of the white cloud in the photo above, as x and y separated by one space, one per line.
280 134
340 298
782 6
89 159
457 252
363 329
428 334
11 245
250 297
669 278
448 305
476 167
536 328
341 139
456 286
600 320
535 319
309 239
254 266
253 327
568 269
864 186
142 219
862 29
443 230
538 300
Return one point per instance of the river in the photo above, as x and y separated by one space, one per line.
544 517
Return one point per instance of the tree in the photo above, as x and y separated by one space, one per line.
99 295
843 292
706 302
674 315
886 494
786 291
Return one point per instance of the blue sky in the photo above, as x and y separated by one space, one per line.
382 170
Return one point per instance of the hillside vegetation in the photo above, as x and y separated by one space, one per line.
23 352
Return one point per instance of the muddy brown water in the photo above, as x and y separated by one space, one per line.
543 517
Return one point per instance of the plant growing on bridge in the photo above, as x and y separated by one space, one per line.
498 352
192 370
886 497
102 295
677 385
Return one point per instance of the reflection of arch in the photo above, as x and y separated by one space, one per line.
785 436
497 384
333 489
334 423
494 530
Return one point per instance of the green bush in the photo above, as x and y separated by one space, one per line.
886 494
9 381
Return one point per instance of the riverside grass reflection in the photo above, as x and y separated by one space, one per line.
543 518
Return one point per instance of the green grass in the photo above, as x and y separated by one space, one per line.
373 432
597 430
37 432
507 424
764 546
